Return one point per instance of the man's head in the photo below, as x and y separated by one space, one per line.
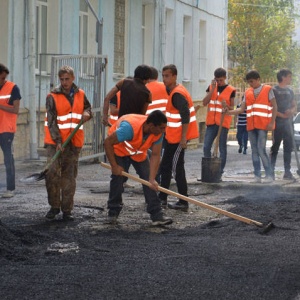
284 75
3 74
66 77
157 122
143 72
220 76
154 73
253 79
169 75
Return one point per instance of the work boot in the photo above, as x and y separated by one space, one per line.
67 216
52 213
240 149
179 205
245 151
160 219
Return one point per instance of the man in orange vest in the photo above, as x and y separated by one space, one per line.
182 126
261 108
9 108
216 93
66 105
127 143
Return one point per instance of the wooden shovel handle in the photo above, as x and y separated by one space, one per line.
188 199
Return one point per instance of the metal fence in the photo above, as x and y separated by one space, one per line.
91 76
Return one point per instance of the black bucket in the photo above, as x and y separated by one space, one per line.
211 169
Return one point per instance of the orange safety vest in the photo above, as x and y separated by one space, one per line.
174 125
112 119
214 110
259 110
8 121
68 118
136 148
159 97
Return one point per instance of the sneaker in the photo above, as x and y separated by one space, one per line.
8 194
52 213
67 216
257 179
268 179
164 203
240 149
179 205
288 176
160 219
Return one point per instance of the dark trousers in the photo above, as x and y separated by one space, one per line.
115 201
61 177
6 143
282 132
242 136
173 162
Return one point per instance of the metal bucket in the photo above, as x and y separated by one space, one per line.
211 169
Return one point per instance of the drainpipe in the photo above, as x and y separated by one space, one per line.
31 80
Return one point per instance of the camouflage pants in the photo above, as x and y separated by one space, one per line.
61 177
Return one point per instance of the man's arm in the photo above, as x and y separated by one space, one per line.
109 143
207 98
107 98
274 114
154 163
145 107
13 109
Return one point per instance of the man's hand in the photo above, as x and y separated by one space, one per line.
86 116
270 126
117 170
154 185
105 119
59 147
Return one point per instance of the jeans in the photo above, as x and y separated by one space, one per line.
173 162
258 140
210 135
282 132
6 141
115 202
242 136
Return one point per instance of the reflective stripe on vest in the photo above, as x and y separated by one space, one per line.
136 148
112 119
259 110
159 97
8 121
174 125
214 110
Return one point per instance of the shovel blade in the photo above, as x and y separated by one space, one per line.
34 177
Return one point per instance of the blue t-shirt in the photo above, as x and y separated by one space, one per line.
125 133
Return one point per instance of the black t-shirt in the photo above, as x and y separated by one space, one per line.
284 99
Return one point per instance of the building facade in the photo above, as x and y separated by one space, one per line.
188 33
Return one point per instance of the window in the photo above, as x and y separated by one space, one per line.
83 27
187 48
202 51
119 38
41 35
147 29
169 51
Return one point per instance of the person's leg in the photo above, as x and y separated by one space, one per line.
210 134
245 139
239 137
6 146
152 200
277 138
223 147
165 169
287 151
53 182
69 171
253 136
114 203
261 145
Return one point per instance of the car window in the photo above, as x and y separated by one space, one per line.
297 119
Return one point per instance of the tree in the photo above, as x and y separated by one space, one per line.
260 37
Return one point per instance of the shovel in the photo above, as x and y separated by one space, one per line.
295 147
264 227
40 176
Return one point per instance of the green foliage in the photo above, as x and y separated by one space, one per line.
260 37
